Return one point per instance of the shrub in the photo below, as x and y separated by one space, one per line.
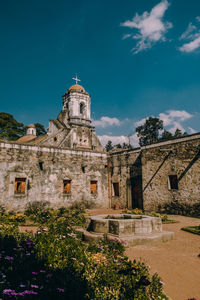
2 209
83 204
182 208
38 211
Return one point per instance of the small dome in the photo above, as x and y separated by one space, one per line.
76 87
31 126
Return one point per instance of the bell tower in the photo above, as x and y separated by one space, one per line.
77 102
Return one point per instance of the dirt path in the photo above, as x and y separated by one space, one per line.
176 261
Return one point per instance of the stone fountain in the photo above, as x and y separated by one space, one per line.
132 229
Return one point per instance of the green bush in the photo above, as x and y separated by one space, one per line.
182 208
38 211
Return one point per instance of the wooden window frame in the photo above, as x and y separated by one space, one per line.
173 182
93 187
20 186
67 186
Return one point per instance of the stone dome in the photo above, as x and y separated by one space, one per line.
76 87
31 126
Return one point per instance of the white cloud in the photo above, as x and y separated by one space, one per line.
192 35
140 122
187 33
191 130
198 19
126 36
191 46
151 27
119 139
106 122
172 119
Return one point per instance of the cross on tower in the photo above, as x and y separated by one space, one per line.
76 79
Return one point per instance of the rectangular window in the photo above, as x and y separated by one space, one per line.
66 186
173 182
20 186
116 189
93 187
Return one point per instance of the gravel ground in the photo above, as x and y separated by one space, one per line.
176 261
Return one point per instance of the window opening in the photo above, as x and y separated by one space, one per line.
116 189
83 169
173 182
93 187
66 186
81 108
20 185
41 165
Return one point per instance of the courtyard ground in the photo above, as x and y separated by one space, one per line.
176 261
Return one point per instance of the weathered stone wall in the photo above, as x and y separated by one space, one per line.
179 158
143 174
124 167
45 168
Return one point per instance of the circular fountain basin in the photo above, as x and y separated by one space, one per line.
125 224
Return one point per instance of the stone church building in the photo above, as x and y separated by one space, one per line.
69 166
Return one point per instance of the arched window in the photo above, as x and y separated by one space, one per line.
82 107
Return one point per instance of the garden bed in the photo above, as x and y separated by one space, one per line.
55 263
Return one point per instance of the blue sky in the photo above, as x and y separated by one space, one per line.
136 58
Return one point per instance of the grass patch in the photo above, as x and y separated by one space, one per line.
192 229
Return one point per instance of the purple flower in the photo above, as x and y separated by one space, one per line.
42 271
61 290
9 258
34 273
13 293
27 292
49 275
34 286
8 291
28 254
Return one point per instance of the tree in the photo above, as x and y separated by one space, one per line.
166 135
10 129
40 130
126 146
178 133
149 132
118 146
109 146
